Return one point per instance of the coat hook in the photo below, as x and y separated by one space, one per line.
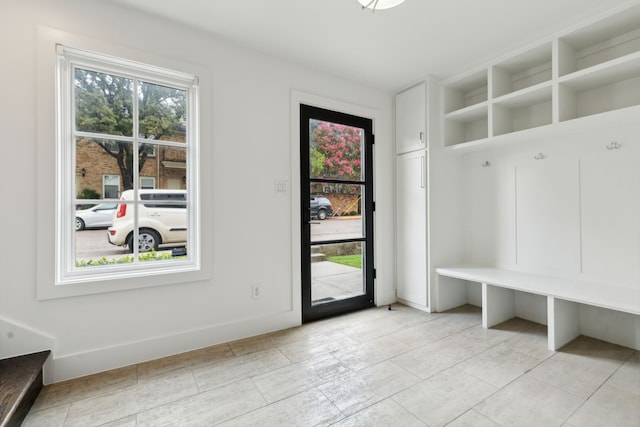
486 164
539 156
614 145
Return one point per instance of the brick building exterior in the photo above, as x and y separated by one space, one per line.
98 170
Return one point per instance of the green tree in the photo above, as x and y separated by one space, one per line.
105 105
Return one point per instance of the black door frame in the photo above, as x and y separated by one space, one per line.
313 312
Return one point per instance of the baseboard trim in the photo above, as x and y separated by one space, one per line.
66 367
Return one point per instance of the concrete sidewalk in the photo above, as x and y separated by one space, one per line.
332 281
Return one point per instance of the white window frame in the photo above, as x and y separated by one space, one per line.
66 273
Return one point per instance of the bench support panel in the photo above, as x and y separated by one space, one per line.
452 293
563 322
498 305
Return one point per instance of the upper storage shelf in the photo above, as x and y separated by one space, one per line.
592 70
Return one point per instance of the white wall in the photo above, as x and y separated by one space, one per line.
250 146
575 213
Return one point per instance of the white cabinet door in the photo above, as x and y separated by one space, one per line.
411 217
410 119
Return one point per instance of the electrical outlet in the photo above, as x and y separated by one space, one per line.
256 292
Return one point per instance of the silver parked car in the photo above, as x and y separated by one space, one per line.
98 216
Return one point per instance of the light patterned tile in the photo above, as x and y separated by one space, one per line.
315 345
293 379
363 355
361 362
86 387
358 390
129 421
581 366
493 336
51 417
383 414
444 326
444 397
472 418
309 408
163 389
238 368
206 409
532 342
193 359
528 402
498 365
616 403
388 322
433 358
627 377
267 341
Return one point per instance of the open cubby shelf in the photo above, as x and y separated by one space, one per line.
588 71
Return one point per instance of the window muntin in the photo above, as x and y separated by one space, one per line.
118 122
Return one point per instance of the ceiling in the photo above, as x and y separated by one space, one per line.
389 49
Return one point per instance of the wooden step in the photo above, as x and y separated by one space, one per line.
20 384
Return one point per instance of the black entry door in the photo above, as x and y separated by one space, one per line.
336 212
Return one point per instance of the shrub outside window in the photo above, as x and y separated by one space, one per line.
127 132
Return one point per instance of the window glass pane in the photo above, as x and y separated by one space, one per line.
103 168
335 151
92 247
170 167
162 112
336 272
162 221
104 103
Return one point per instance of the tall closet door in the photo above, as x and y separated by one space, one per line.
411 228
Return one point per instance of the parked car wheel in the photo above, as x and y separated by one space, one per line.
322 214
79 225
147 240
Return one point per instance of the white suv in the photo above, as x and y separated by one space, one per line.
158 222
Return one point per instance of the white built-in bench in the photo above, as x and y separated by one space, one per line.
564 297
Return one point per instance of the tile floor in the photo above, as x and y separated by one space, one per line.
372 368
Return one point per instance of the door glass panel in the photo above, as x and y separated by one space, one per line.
335 151
336 272
336 211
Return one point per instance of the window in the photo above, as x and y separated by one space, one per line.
112 115
147 182
110 186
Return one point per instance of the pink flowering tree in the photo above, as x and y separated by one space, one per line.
336 151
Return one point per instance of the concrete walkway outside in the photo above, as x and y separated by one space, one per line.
335 281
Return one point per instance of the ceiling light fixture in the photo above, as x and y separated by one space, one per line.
379 4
